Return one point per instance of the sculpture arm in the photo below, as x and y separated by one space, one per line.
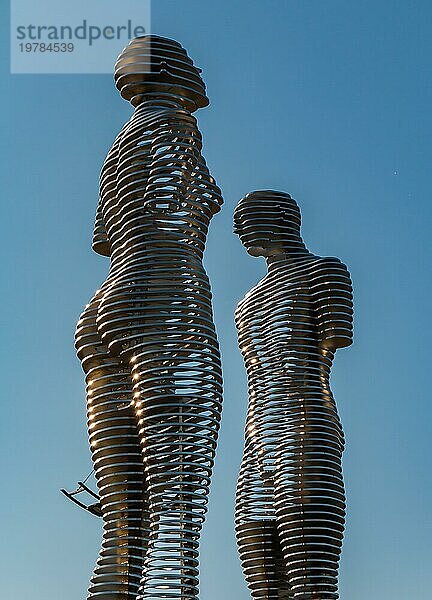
254 429
333 301
100 243
254 439
177 168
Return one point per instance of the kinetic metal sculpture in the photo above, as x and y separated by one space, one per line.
146 340
290 506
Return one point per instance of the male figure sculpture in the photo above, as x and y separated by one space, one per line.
290 504
146 340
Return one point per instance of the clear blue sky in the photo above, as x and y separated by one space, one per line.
328 100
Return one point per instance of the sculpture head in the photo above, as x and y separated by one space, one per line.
152 66
268 223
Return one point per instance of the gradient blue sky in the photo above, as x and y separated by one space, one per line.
329 100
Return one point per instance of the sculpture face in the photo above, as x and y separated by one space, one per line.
151 65
267 223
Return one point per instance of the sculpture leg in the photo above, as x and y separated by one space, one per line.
117 458
310 500
178 433
257 535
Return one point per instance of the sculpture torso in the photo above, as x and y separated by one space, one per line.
156 246
278 326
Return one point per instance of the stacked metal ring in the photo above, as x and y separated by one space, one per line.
147 341
290 505
157 65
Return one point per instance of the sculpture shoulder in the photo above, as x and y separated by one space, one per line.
165 127
329 269
113 151
173 117
250 298
331 287
151 124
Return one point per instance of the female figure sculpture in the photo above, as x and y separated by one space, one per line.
146 340
290 504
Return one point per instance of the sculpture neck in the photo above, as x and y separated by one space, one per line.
160 101
287 256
